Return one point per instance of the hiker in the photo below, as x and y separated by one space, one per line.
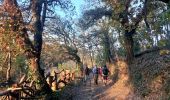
86 72
105 72
100 72
95 73
92 70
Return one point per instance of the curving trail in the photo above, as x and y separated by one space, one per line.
115 90
89 91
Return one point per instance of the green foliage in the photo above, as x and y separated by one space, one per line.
136 46
21 64
121 52
100 59
60 67
162 43
148 71
20 61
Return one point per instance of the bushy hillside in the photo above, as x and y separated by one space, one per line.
150 75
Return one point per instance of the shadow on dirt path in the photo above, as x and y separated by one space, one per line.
117 88
90 91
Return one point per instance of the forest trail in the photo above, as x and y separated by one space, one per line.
113 91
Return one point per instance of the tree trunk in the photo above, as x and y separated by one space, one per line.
37 25
41 84
32 54
80 68
107 48
168 33
37 30
128 41
80 64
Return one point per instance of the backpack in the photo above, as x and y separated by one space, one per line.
105 71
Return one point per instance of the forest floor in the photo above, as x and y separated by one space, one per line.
112 91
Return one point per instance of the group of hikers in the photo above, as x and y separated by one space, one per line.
97 72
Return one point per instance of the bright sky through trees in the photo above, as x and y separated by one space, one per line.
78 4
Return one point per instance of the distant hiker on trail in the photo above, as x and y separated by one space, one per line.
105 71
95 73
100 72
92 70
86 72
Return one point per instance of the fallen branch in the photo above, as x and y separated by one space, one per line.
6 92
150 50
23 79
9 91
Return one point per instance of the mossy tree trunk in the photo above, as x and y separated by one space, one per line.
107 48
31 51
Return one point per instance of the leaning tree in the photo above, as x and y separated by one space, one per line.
30 18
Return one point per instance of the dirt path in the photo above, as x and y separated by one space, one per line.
112 91
84 91
115 90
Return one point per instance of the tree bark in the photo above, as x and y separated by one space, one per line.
80 68
128 39
128 36
107 48
79 63
32 54
37 30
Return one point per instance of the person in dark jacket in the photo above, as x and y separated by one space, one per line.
86 72
105 72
